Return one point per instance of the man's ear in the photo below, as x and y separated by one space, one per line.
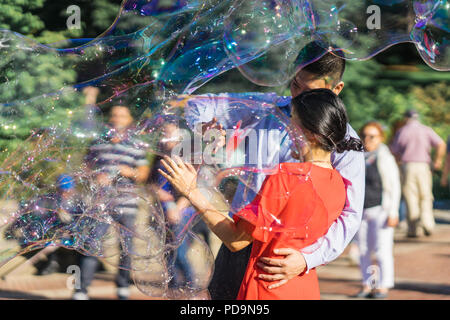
338 88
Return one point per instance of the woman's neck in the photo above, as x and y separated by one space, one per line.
319 157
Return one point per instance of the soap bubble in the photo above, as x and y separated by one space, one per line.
266 33
265 38
431 33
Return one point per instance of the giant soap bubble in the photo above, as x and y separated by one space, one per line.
154 52
177 48
272 33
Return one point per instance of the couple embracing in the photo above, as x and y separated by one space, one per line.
254 263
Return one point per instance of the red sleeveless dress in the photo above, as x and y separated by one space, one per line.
294 208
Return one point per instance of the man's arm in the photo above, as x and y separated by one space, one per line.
438 143
142 167
445 171
140 174
440 154
395 148
227 108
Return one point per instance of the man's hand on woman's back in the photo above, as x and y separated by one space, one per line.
283 269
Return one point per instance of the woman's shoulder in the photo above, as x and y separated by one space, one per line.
321 177
286 175
325 179
306 168
292 171
294 167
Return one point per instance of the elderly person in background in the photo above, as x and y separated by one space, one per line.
380 215
411 146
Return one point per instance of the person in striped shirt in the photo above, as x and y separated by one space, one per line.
117 162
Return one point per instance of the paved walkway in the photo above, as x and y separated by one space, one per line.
55 287
421 266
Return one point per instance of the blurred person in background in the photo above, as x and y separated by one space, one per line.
177 209
91 112
380 215
68 206
118 163
91 93
56 211
412 146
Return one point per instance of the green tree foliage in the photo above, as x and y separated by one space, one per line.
30 84
16 15
367 100
379 89
27 74
96 17
433 102
104 13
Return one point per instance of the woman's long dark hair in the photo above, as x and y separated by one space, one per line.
323 114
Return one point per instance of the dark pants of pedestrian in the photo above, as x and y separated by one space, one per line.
229 272
178 260
89 264
181 264
202 229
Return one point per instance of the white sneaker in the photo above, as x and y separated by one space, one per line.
123 293
80 296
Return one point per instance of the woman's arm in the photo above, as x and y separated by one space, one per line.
233 235
183 177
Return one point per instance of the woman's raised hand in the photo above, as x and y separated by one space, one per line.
182 176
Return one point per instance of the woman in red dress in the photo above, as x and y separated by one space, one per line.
295 206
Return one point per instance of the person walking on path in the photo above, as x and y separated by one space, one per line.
412 146
380 215
118 162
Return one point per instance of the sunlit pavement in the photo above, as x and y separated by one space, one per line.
54 286
421 272
421 267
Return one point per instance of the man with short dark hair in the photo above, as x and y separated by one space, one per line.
325 72
412 145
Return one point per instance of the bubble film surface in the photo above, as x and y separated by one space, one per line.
152 59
